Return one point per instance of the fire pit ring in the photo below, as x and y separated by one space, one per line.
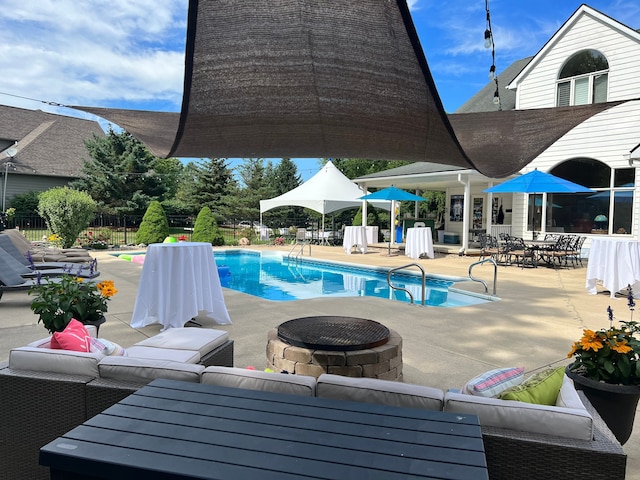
333 333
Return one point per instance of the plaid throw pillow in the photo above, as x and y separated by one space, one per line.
494 382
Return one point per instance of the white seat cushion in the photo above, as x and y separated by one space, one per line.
173 355
257 380
384 392
573 422
204 340
143 370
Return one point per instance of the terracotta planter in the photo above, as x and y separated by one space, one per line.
616 404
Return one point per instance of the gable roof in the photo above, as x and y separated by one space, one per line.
582 10
47 144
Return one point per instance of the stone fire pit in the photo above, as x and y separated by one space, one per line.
348 346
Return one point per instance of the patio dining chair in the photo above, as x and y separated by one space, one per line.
520 253
558 255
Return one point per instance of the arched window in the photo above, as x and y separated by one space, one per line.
583 79
607 210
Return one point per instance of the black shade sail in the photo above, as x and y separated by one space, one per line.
328 78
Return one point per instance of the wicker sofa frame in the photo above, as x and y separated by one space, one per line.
39 407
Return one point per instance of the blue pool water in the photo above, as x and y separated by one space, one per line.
272 276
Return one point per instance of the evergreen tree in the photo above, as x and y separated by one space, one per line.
206 229
357 167
154 227
120 177
213 184
254 187
281 179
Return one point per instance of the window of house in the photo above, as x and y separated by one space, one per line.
583 79
607 210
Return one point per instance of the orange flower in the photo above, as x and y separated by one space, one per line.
622 347
591 341
574 349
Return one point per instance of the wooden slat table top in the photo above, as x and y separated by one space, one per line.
172 429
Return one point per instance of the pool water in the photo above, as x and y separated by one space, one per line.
272 276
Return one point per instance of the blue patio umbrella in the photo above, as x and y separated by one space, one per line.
394 195
536 181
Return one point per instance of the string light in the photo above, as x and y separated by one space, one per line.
489 43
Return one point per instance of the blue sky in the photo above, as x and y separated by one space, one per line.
130 54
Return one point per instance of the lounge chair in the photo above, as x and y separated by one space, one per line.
9 262
11 281
40 254
10 248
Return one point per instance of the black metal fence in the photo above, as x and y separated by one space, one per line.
109 231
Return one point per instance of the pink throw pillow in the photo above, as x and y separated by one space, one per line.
74 337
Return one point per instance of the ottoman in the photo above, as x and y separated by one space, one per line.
214 346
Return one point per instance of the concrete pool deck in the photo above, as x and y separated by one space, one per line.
542 311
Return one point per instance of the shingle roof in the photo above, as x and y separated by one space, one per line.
482 101
48 144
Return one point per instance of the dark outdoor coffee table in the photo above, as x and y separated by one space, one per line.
170 430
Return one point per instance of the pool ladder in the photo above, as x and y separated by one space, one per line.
495 274
291 253
395 287
424 278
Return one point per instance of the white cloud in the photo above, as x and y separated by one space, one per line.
94 52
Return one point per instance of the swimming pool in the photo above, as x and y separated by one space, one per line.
272 276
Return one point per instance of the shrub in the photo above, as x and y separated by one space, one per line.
66 212
154 227
206 228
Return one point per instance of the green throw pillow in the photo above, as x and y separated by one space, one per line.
541 388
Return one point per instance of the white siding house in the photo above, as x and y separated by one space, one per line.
592 58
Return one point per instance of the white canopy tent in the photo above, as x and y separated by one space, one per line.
327 191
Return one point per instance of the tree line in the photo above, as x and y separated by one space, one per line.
124 177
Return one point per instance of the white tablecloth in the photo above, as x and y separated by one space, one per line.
616 262
355 236
372 234
419 241
179 281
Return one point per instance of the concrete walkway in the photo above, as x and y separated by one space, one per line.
541 313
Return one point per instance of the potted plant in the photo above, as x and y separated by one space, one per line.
606 368
58 300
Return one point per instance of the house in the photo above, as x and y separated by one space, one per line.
590 59
39 150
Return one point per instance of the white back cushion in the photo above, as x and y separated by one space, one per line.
257 380
574 422
41 359
384 392
143 370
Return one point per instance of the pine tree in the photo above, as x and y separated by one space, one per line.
121 177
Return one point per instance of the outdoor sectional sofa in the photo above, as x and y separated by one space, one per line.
521 440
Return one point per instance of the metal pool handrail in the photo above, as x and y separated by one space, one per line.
495 274
424 280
